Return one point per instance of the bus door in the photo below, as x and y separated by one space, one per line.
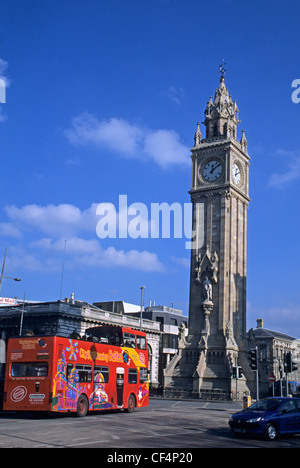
120 386
27 386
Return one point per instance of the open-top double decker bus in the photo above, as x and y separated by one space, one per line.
106 370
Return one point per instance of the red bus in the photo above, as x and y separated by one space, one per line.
106 370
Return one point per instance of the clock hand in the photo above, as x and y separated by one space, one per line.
214 167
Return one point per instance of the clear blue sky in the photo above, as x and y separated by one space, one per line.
103 98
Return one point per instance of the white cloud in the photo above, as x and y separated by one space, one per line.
292 172
10 230
19 257
4 83
56 220
164 147
90 253
133 259
3 68
116 134
129 140
282 317
182 261
3 116
176 95
75 245
67 222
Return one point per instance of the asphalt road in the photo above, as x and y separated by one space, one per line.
165 424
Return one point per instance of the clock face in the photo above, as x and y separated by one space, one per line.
236 173
212 170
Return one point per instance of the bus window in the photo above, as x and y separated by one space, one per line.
84 373
129 340
29 369
141 342
132 376
143 375
108 335
101 374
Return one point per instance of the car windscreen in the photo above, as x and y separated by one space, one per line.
266 405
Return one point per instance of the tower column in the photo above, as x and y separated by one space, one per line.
217 308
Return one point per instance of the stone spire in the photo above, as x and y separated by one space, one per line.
221 115
198 135
244 142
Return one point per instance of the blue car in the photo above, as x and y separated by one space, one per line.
269 417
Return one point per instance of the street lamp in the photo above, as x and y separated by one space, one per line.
141 311
2 273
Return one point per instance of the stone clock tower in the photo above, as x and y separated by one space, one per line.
217 312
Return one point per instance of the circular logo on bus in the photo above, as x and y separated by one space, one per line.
18 394
142 358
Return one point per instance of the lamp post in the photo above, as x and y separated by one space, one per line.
141 311
2 273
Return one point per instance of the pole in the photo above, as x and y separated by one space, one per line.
22 316
236 379
141 311
286 373
257 384
280 374
2 272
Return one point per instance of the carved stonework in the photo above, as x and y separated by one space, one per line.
207 262
181 336
229 337
207 309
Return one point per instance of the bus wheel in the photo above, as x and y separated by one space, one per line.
82 406
131 404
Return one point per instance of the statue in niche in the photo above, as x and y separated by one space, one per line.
207 290
181 330
229 331
181 335
229 336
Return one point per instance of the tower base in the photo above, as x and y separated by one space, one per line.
204 369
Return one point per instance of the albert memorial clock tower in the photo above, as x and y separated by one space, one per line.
216 341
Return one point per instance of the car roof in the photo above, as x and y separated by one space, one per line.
280 398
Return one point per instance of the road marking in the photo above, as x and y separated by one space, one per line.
87 443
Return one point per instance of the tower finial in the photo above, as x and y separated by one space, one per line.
198 135
222 69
